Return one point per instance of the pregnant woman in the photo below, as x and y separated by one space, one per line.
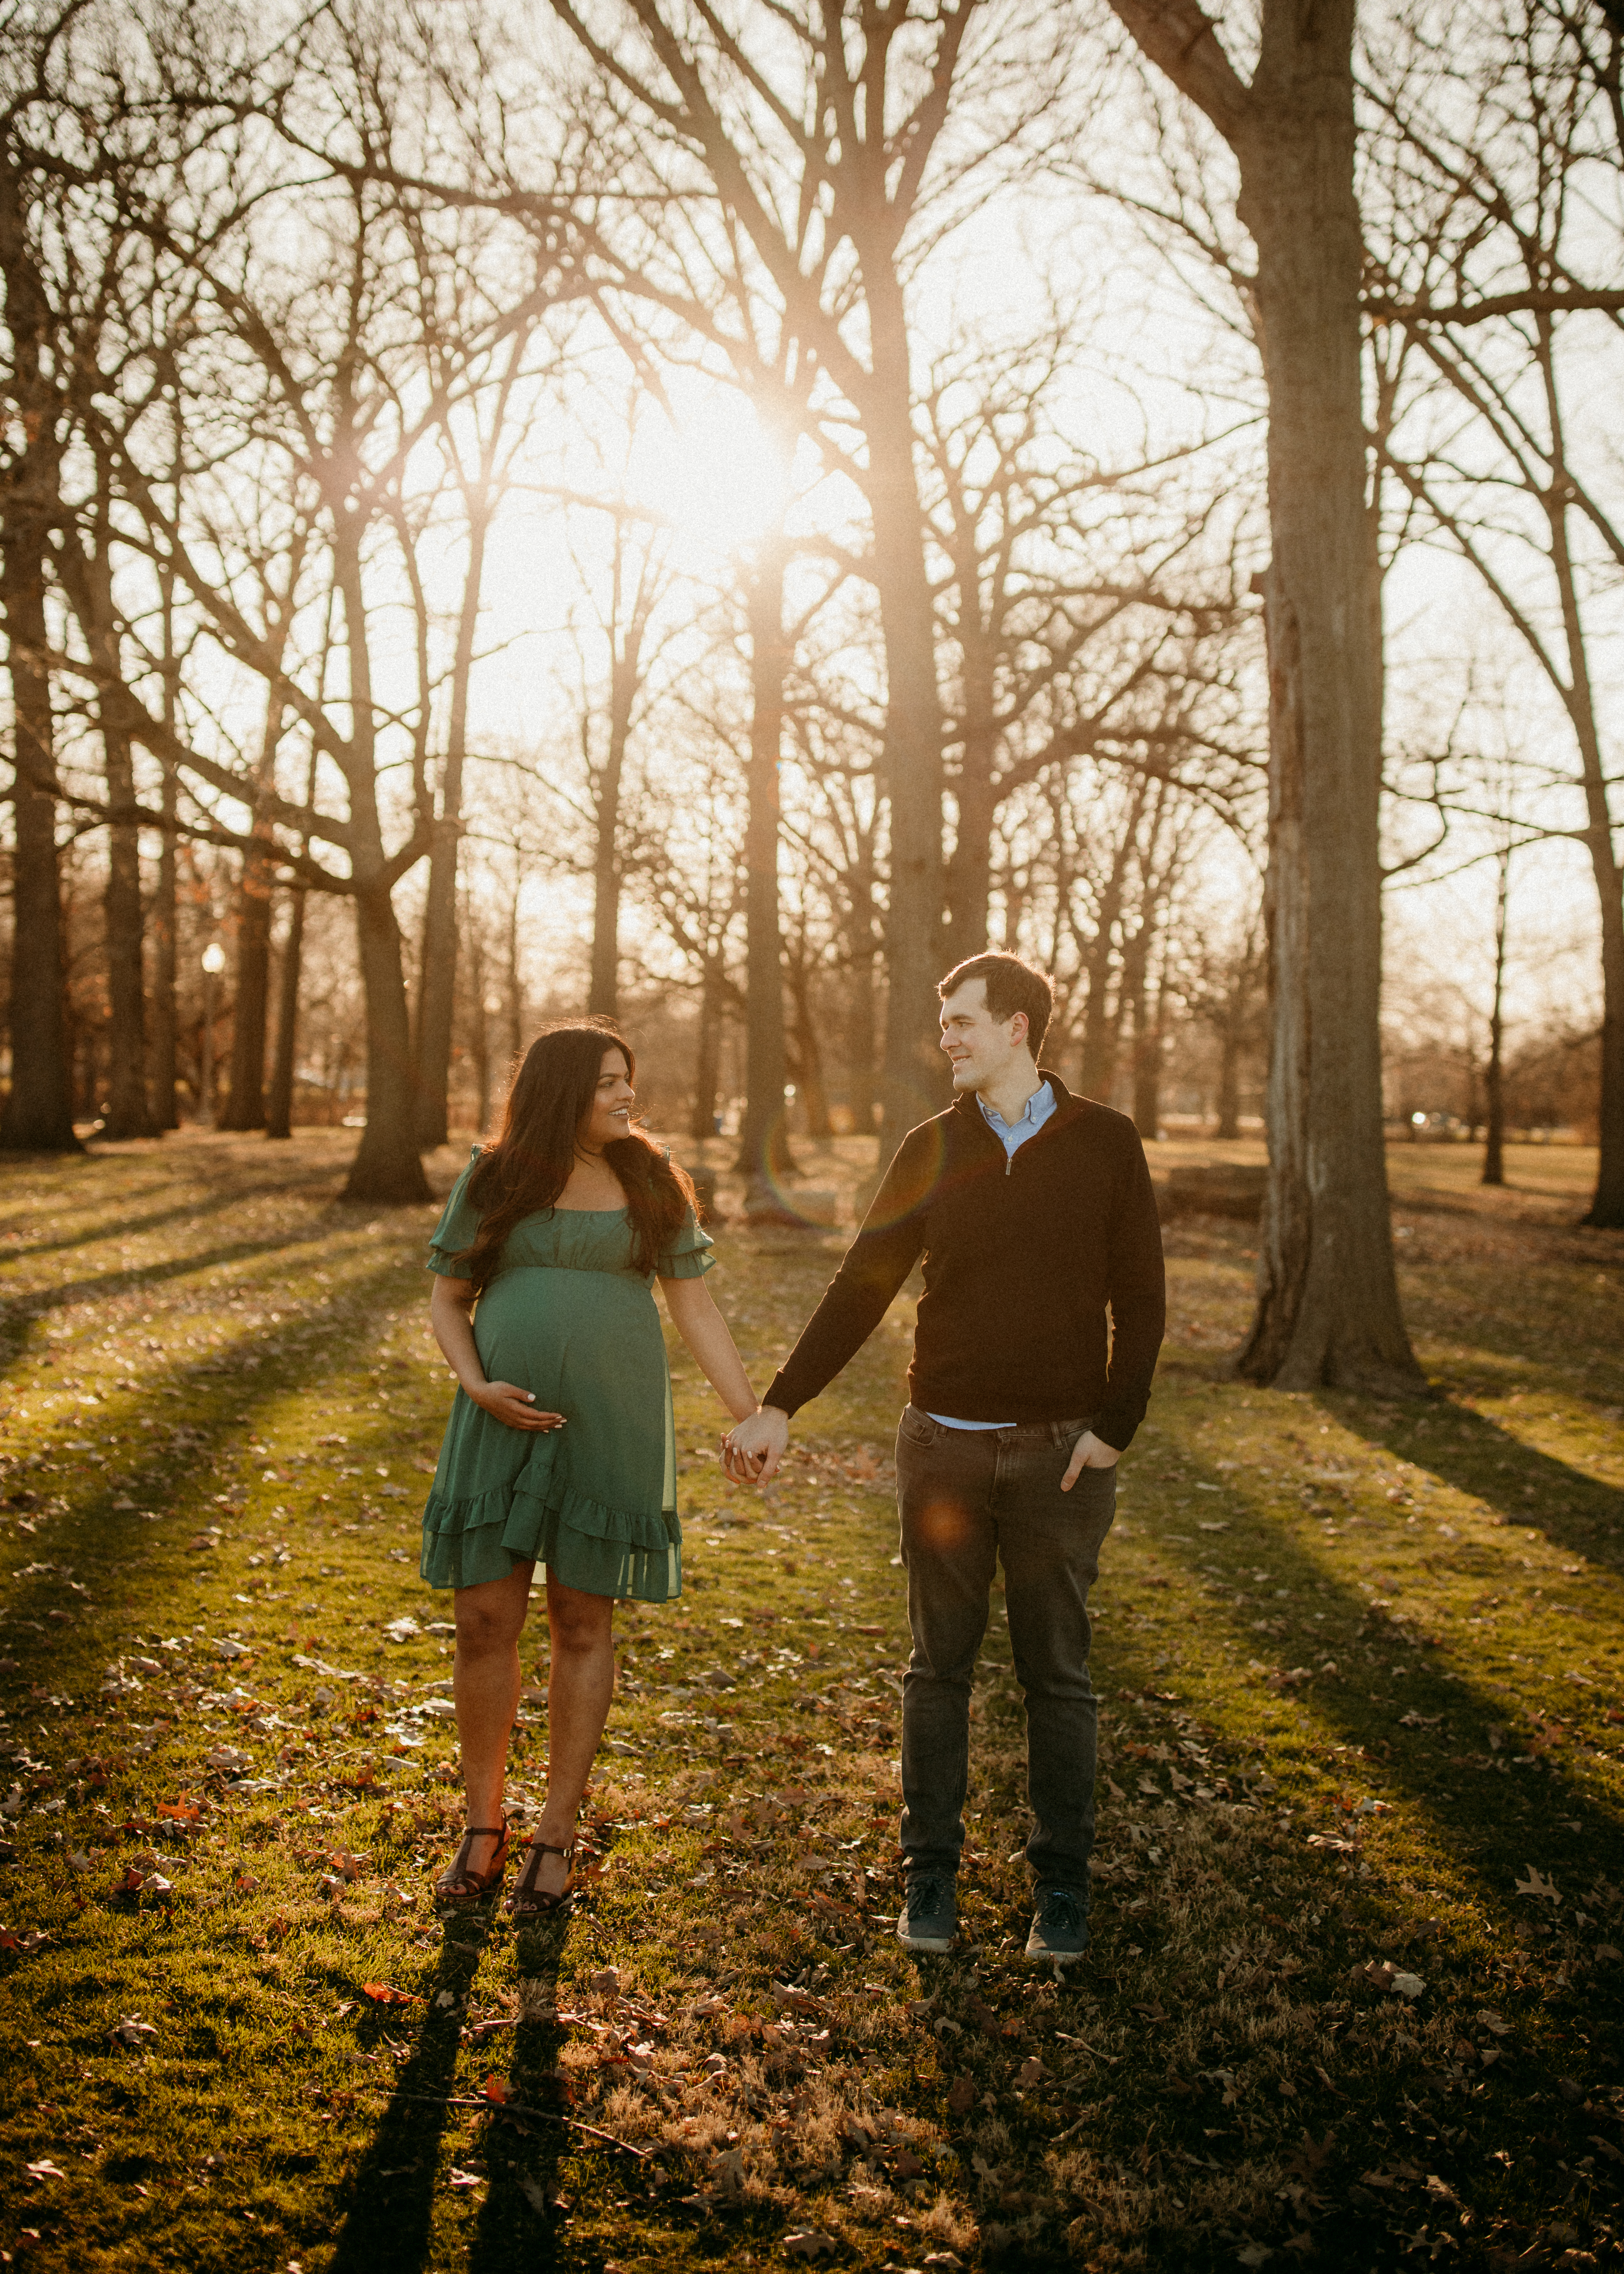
561 1450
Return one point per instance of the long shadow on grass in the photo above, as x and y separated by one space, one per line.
390 2214
1487 1817
1576 1511
521 2221
113 1544
192 1209
137 1277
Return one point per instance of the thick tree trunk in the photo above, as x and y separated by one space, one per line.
245 1105
1606 1209
279 1105
127 1112
38 1115
1329 1308
764 1156
165 1008
968 877
1328 1295
386 1166
912 1081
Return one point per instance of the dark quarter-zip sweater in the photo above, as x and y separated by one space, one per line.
1022 1258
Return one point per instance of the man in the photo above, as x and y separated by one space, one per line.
1033 1210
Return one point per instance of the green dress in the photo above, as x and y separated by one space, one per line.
568 1317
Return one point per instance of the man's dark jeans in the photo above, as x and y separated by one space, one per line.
968 1497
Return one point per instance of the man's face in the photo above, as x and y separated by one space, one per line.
980 1047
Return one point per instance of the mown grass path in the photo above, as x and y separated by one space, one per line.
1353 1994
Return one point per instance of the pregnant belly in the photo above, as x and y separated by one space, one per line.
563 1334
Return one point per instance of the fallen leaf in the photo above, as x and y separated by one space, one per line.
495 2087
463 2180
809 2242
961 2095
43 2170
382 1994
133 2032
1031 2072
1534 1883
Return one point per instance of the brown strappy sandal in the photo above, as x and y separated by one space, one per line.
459 1885
528 1900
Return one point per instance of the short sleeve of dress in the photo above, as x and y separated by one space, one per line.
457 1229
687 1254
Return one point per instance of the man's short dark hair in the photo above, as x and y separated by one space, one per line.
1011 986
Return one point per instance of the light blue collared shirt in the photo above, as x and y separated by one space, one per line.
1011 1135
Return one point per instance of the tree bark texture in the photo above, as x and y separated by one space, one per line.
912 1083
127 1112
386 1166
279 1104
1329 1308
38 1113
245 1105
763 1157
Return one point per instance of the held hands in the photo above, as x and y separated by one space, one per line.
513 1407
1089 1452
752 1448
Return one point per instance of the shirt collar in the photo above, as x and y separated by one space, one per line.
1041 1098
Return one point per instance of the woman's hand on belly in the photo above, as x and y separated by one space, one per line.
513 1407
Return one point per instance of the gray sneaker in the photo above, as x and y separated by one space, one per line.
1059 1926
930 1918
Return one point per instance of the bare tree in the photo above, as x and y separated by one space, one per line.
1487 228
830 163
1078 616
1329 1308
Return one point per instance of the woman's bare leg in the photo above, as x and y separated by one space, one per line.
486 1685
580 1686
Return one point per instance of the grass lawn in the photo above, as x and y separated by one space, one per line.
1353 1998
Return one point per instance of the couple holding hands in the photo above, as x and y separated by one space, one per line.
1031 1212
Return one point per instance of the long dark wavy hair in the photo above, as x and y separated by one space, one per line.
527 1168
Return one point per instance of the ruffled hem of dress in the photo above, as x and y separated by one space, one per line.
587 1544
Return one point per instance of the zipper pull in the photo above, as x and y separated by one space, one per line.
1008 1163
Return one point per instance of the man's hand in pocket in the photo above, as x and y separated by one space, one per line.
1089 1452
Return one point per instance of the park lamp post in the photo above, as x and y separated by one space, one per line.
213 964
